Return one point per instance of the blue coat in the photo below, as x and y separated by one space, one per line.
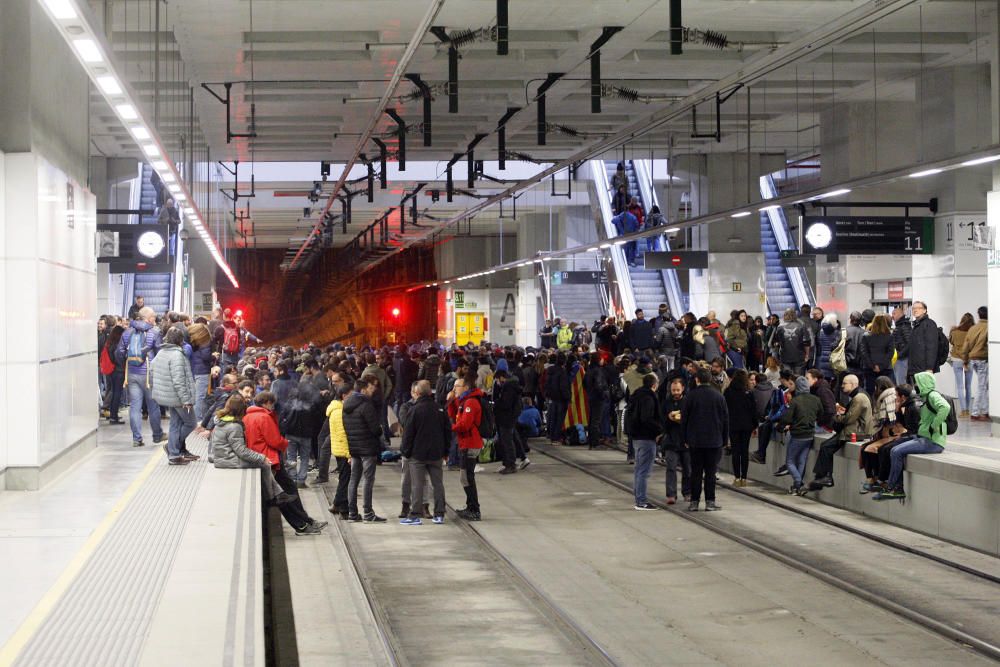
201 360
625 223
828 339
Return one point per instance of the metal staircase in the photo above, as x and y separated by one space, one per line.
785 288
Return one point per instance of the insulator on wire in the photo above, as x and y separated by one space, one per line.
715 39
463 37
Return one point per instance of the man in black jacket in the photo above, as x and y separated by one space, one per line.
506 408
426 438
595 383
645 426
672 442
923 343
364 441
901 330
640 335
556 396
705 423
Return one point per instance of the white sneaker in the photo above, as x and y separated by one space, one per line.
524 463
478 469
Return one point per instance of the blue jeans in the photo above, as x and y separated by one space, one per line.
229 360
453 458
982 402
645 451
201 396
796 457
181 425
963 384
899 370
735 358
298 450
137 393
897 456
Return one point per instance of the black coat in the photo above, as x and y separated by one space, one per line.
705 418
595 383
506 402
876 350
644 417
361 423
557 384
742 410
673 432
406 374
901 332
923 346
427 434
640 335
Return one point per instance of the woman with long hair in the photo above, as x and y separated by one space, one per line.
229 448
117 377
963 374
877 351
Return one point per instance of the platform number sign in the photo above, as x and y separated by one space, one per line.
459 299
70 206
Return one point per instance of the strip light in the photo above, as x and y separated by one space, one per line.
75 22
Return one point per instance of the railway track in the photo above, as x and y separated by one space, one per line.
988 647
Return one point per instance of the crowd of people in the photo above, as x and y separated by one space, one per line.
679 391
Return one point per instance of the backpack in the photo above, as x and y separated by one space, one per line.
107 366
135 356
777 406
951 423
231 341
838 356
942 351
487 422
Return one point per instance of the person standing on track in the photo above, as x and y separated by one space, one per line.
364 432
465 412
644 427
426 438
705 423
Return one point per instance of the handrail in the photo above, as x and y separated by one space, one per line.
671 282
618 265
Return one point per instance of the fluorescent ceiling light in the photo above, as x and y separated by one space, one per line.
109 85
61 9
126 111
593 250
620 242
835 193
152 150
772 207
608 245
140 132
741 214
982 160
925 172
546 259
669 230
87 48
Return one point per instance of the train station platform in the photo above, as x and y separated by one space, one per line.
954 495
125 560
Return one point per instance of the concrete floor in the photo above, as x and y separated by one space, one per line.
651 587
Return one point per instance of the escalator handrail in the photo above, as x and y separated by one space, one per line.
671 282
619 266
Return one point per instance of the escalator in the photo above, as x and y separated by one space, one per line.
785 288
155 288
639 287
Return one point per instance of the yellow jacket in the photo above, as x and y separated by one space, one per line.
338 436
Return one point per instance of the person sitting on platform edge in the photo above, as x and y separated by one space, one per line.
855 419
932 434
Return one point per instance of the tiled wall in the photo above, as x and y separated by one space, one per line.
3 319
49 302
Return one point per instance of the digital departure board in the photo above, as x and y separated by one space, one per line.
868 235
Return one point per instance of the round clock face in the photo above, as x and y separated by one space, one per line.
150 244
819 235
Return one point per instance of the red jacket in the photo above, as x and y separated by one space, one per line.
466 413
262 434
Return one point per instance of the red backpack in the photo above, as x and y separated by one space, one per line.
107 365
231 341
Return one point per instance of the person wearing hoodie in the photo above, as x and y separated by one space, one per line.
229 448
800 421
465 413
932 434
136 374
820 388
713 345
173 388
260 427
340 449
364 441
854 419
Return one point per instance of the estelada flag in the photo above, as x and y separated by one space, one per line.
577 412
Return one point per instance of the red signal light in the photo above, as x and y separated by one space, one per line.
395 312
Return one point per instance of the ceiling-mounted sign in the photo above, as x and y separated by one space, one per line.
684 259
868 235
